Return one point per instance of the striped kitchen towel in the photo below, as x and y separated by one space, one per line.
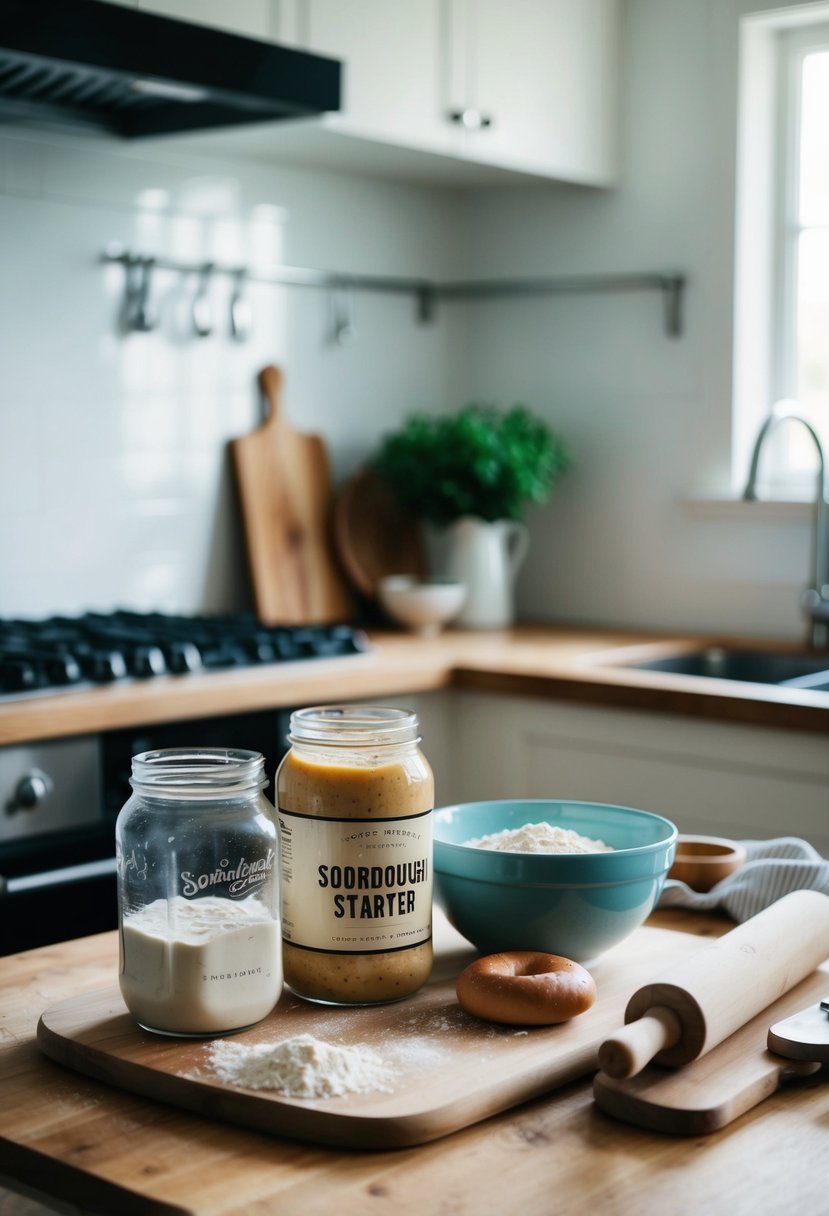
772 868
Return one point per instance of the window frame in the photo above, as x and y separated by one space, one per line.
772 49
794 47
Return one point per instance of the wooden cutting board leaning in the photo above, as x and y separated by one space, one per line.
372 536
285 493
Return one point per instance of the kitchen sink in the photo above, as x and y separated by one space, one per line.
753 666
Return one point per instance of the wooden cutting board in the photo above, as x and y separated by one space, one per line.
285 493
451 1069
372 536
711 1092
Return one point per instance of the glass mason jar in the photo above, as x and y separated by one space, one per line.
354 806
197 855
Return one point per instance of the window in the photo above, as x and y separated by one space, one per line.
803 353
782 302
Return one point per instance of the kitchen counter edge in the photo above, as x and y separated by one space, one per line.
583 666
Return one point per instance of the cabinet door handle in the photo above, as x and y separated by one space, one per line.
471 119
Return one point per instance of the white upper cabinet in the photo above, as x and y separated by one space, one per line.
460 91
393 74
528 85
535 83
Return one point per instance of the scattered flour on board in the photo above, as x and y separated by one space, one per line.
540 838
301 1067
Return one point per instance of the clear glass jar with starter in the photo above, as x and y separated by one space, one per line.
355 796
198 871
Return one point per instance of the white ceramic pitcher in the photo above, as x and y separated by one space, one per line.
485 557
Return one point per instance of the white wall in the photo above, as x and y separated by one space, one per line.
623 539
114 485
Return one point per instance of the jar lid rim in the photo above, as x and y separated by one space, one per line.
345 724
202 768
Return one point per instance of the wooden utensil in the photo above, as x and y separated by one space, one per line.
703 861
450 1069
805 1034
717 1088
285 492
696 1005
372 536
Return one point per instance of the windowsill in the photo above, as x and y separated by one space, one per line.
757 510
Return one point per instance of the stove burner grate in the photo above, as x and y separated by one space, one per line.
99 648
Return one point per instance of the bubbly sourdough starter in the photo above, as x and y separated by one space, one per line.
376 794
215 966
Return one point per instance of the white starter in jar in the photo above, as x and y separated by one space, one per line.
198 968
198 896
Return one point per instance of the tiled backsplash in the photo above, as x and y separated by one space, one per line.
115 487
114 482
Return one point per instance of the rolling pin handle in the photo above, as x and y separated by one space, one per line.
627 1053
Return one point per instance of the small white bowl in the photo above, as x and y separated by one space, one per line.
423 606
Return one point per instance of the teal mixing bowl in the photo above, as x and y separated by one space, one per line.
575 904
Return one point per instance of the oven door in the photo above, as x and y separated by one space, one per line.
57 846
57 887
59 801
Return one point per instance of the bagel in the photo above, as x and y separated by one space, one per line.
525 988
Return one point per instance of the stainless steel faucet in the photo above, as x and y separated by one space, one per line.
815 599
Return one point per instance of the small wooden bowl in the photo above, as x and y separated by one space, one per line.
703 861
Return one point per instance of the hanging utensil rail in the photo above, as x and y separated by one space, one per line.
426 292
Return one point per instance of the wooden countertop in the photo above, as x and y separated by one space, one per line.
540 661
63 1135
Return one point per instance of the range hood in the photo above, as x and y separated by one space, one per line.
88 65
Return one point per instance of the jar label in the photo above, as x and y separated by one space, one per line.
356 886
236 877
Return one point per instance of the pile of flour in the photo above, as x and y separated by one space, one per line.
540 838
301 1067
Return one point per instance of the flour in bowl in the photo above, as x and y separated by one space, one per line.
539 838
301 1067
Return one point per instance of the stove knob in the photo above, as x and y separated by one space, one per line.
261 648
183 657
16 676
32 788
64 669
108 665
284 645
148 661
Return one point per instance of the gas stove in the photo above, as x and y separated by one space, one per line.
59 798
64 652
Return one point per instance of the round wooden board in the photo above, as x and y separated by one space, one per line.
372 536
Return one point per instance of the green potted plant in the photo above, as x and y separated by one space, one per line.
470 476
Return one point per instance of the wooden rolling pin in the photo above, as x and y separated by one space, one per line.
694 1006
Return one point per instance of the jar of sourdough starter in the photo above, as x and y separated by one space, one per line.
197 855
354 805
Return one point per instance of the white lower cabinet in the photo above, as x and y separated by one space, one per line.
723 779
715 778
